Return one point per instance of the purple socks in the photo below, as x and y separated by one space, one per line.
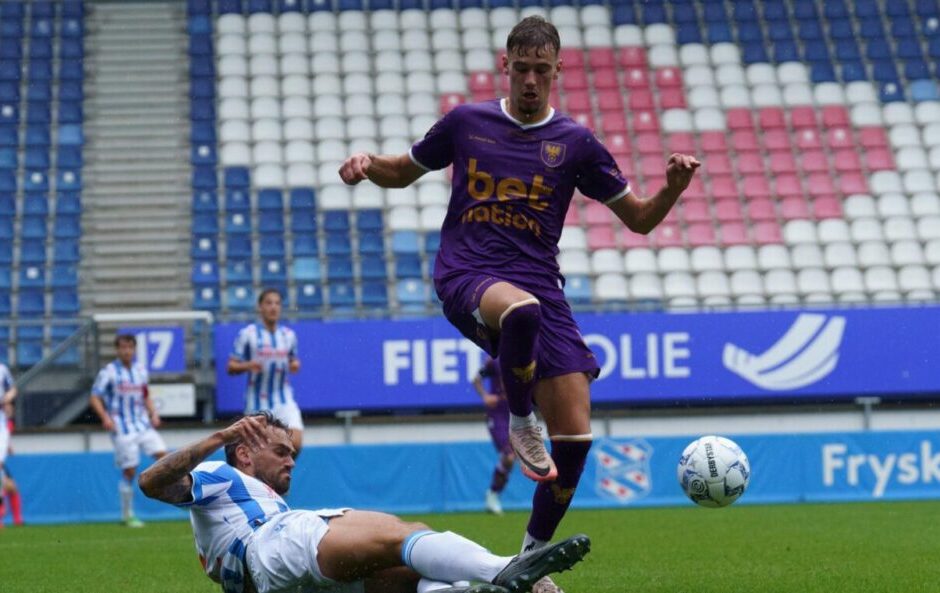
551 499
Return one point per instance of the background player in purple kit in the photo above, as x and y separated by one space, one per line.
516 164
497 422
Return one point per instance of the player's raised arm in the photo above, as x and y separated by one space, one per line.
642 215
168 479
383 170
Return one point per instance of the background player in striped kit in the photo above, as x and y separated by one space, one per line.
267 351
497 422
120 399
8 487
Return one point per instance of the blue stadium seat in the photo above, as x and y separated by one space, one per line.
371 243
374 294
872 28
37 158
238 271
33 227
338 244
65 302
39 93
774 11
31 303
9 136
10 70
204 247
239 298
35 204
339 268
303 222
230 7
42 9
916 70
822 72
408 266
202 66
412 295
32 277
578 290
719 33
847 50
271 222
237 200
927 8
205 178
309 295
202 88
198 7
369 220
273 271
199 24
305 245
884 71
9 158
623 14
7 205
238 246
5 308
40 49
68 203
71 90
202 110
206 298
432 242
302 199
786 51
297 6
6 249
11 49
306 269
810 31
237 178
902 28
9 114
11 28
405 242
744 11
271 199
933 49
336 221
70 134
40 28
33 251
37 135
71 69
342 295
877 49
71 48
688 33
205 201
372 267
69 180
65 251
64 276
835 10
201 132
203 154
687 16
271 246
6 279
6 228
754 52
205 223
28 353
12 10
255 6
909 49
652 13
9 91
853 71
36 181
925 90
206 272
30 332
891 92
7 181
67 227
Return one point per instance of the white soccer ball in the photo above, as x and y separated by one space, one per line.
713 471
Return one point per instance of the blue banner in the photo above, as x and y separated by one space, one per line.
160 349
620 473
644 357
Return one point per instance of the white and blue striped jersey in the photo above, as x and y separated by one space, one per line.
6 383
123 391
226 508
274 350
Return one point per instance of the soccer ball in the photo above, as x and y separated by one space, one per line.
713 471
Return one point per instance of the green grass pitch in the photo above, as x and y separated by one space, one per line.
825 548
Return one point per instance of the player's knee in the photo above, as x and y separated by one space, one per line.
524 317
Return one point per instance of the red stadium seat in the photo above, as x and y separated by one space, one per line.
755 186
645 121
847 161
734 233
694 210
714 142
873 137
554 98
740 119
750 163
782 162
668 78
585 118
803 117
835 115
744 140
609 100
787 185
761 209
626 165
451 100
778 139
794 208
632 57
718 164
602 57
651 144
839 138
667 235
482 82
577 101
853 183
879 159
617 143
827 208
574 80
696 189
771 118
819 185
613 122
601 236
767 233
596 213
480 97
650 166
640 99
683 142
606 79
728 210
573 216
672 99
700 234
808 139
813 161
723 186
629 239
636 78
572 57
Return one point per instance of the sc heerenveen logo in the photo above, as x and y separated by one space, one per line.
806 353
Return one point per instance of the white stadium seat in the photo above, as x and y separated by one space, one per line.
627 35
420 82
848 284
595 15
572 238
383 20
833 230
291 22
419 61
233 45
740 257
645 287
233 65
866 115
297 85
733 96
356 61
766 95
296 107
337 197
324 42
893 204
799 231
269 176
235 154
394 126
265 107
761 74
433 193
262 44
574 261
352 20
391 104
361 126
860 91
663 56
449 61
829 93
266 130
773 257
263 65
432 217
707 259
264 86
413 19
301 175
679 285
638 260
234 131
673 259
267 153
357 83
611 288
873 253
925 204
797 94
299 151
907 253
897 113
233 108
813 281
330 128
677 120
899 228
420 125
692 54
806 255
363 145
413 39
233 86
353 40
368 195
262 22
328 150
231 24
725 74
707 120
360 105
839 255
406 196
605 261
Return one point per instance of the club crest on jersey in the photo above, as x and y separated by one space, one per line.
553 153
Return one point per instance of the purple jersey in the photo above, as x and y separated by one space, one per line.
512 185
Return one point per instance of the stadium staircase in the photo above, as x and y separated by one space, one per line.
136 215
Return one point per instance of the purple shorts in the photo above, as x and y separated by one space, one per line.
561 349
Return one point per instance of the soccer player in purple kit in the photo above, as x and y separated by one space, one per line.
516 165
497 422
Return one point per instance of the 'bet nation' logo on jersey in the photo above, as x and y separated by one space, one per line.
482 186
